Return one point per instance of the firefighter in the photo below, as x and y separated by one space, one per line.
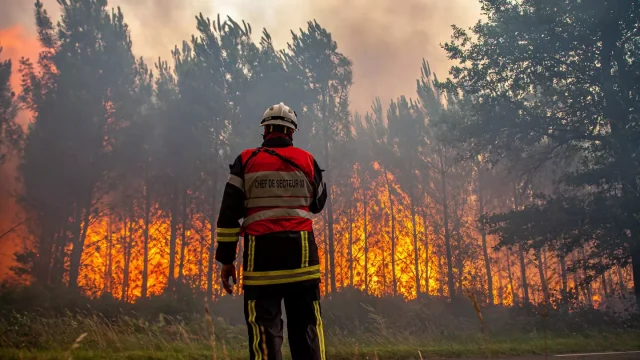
275 189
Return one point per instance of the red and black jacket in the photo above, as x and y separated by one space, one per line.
274 189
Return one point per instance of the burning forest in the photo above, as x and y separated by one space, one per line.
515 179
129 203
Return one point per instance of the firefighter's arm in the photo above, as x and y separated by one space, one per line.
320 192
231 211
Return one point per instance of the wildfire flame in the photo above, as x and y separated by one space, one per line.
374 213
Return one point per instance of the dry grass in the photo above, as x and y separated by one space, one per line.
355 329
210 329
75 345
171 339
530 346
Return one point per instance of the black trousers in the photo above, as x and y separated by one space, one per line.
263 314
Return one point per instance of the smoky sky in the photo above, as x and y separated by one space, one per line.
385 39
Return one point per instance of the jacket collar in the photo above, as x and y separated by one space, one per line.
277 141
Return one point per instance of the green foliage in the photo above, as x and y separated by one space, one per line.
10 132
555 83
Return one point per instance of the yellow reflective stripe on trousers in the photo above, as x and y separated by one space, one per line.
305 248
250 255
319 330
251 308
281 276
275 213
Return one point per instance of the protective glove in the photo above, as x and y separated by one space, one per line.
226 272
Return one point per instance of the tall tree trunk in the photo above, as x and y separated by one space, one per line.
183 237
587 285
523 275
80 233
635 267
44 261
126 252
351 265
384 273
483 234
441 282
327 271
59 255
603 280
460 245
54 276
329 204
543 280
427 275
212 231
576 278
500 289
331 245
545 263
203 244
621 285
76 252
145 244
565 280
392 233
447 235
366 242
173 240
514 293
109 266
416 249
523 267
611 284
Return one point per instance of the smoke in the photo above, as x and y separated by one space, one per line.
388 39
385 39
14 12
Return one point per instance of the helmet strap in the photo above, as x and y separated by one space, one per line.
277 131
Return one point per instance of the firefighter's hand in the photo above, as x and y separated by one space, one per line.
228 271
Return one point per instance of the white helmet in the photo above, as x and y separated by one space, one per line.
280 114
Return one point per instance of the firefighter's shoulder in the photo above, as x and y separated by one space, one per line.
242 157
304 153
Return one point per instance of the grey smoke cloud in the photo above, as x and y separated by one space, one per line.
14 11
386 39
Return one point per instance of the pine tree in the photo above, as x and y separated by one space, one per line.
327 73
10 131
78 107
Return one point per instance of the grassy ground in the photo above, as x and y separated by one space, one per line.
345 349
356 327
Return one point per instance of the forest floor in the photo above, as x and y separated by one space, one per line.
623 346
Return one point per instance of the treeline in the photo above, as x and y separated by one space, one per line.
511 180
